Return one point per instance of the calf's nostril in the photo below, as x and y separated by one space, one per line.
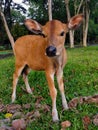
51 51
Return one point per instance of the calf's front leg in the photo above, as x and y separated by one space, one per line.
53 94
61 87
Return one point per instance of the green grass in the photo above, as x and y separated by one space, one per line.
5 52
80 78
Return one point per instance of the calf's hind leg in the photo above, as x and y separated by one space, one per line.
25 72
17 73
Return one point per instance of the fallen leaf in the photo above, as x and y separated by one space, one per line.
19 124
2 108
27 106
8 115
95 120
38 105
65 124
29 115
32 115
12 108
39 99
6 128
75 101
46 108
80 100
18 115
91 99
36 114
86 121
4 122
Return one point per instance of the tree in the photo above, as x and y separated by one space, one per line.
7 11
50 9
77 6
38 10
17 17
7 30
89 11
6 8
71 33
93 23
87 8
86 12
18 30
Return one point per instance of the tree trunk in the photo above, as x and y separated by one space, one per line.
79 7
71 33
7 12
86 13
7 31
50 9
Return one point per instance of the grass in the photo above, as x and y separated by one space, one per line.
5 52
80 78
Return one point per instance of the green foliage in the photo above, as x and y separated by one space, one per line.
59 10
39 10
17 16
80 78
18 30
93 32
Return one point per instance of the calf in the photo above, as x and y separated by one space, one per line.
44 52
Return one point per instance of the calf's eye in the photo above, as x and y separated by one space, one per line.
62 33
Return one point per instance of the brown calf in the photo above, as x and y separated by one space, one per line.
44 52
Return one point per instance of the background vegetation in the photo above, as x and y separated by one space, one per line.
38 10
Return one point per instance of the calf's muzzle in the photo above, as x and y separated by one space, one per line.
51 51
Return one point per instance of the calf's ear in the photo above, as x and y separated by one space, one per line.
75 21
33 26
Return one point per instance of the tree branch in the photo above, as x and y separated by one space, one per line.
7 31
79 6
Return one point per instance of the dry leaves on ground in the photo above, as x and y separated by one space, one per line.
12 108
86 121
15 114
80 100
2 108
65 124
19 124
95 120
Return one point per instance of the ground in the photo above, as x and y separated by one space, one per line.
80 79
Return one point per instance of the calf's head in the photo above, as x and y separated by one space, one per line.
54 33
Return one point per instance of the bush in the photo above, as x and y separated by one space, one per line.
18 30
